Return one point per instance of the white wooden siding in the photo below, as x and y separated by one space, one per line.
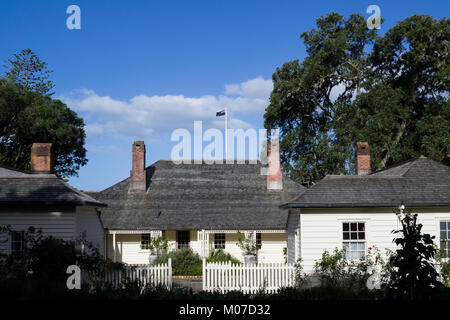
89 223
293 236
57 224
321 229
66 224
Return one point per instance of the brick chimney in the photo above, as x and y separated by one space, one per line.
41 157
137 174
274 176
362 158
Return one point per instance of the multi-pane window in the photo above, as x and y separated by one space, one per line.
354 240
183 238
17 241
258 240
146 238
445 237
219 241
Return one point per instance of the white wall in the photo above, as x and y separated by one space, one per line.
293 236
57 223
88 223
321 229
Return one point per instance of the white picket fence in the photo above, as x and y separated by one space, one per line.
247 278
145 274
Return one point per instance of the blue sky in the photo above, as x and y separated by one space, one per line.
140 69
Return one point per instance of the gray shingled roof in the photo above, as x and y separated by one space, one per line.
418 182
198 196
23 188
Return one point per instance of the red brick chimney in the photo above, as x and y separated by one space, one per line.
41 157
274 176
362 158
137 174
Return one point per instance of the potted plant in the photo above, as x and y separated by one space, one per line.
249 248
157 246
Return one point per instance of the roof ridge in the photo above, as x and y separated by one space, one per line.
80 194
397 165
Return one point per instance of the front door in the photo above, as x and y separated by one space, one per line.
183 239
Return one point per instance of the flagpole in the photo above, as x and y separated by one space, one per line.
226 135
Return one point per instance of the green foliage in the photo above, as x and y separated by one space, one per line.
334 270
30 72
27 117
40 269
157 246
355 85
445 273
184 262
247 244
300 277
414 275
221 256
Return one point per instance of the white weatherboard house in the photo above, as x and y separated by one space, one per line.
38 200
202 206
356 212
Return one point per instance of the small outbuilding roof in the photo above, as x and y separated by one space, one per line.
418 182
24 188
196 197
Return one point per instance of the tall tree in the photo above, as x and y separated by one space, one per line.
27 117
357 86
30 72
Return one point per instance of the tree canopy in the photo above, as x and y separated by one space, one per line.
27 117
355 85
27 69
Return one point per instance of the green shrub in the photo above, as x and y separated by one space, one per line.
445 272
184 262
334 270
414 275
221 256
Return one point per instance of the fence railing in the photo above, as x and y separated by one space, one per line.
224 276
145 274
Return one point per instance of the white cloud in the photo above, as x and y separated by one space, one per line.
254 88
147 117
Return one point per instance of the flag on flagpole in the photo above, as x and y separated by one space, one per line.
220 113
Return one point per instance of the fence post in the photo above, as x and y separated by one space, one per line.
204 274
170 272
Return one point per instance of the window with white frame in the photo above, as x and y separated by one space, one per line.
444 227
17 241
146 238
219 240
354 240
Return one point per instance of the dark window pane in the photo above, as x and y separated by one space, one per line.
258 240
353 235
183 238
219 240
448 225
346 226
353 226
443 235
361 227
443 225
346 235
361 235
